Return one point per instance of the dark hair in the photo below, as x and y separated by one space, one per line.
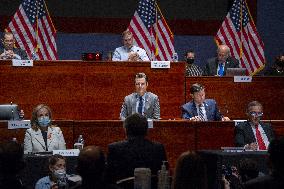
276 154
253 103
190 172
196 87
91 163
34 121
189 51
11 157
141 75
54 159
136 125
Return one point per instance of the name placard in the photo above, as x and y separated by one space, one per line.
242 79
161 64
150 123
19 124
70 152
22 63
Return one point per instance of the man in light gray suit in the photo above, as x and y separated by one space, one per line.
141 101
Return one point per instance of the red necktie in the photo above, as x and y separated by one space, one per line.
259 139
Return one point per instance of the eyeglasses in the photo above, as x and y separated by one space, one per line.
140 84
256 114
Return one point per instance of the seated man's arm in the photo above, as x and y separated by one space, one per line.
185 113
123 111
156 113
116 55
143 55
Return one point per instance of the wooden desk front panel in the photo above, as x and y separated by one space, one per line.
232 98
88 90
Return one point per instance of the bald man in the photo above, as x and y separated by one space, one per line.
217 66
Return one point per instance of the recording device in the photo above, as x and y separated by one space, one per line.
226 171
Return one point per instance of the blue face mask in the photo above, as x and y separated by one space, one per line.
43 121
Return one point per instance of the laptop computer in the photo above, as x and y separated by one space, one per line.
236 72
9 112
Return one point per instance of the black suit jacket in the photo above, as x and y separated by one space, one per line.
244 133
123 157
212 65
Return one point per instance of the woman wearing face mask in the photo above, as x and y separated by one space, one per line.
43 135
57 174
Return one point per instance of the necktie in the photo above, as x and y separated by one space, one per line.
221 69
201 114
140 105
259 139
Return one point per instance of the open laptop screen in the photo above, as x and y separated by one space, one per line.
9 112
235 72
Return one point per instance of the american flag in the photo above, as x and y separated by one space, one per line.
239 33
34 30
151 32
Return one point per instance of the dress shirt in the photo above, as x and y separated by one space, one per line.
121 53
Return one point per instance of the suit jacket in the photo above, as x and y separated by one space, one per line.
34 141
151 110
189 110
212 65
17 51
124 156
244 133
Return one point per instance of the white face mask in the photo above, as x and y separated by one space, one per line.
60 173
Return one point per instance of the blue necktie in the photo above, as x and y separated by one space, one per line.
221 70
140 106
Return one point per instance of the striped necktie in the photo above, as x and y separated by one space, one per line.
260 142
201 114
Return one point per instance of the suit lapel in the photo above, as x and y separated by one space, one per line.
207 110
147 102
50 136
194 110
39 138
250 131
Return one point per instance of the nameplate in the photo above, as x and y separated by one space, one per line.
161 64
22 63
238 121
242 79
70 152
233 149
19 124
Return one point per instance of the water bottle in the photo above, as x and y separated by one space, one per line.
175 57
163 177
81 141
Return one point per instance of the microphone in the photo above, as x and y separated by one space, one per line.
12 111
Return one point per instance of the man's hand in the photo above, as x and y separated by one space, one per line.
252 146
133 56
225 119
195 118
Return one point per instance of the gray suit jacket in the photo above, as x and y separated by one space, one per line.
34 141
151 110
17 51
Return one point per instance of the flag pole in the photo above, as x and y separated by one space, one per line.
36 32
241 25
156 36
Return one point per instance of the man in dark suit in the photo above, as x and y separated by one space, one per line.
217 66
201 109
253 134
141 101
134 152
275 180
8 51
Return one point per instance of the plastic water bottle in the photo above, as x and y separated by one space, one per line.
81 140
175 57
163 177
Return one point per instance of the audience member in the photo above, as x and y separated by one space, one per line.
190 172
91 167
253 134
191 68
218 66
141 101
57 174
134 152
278 68
11 162
275 180
8 51
43 135
129 52
201 109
